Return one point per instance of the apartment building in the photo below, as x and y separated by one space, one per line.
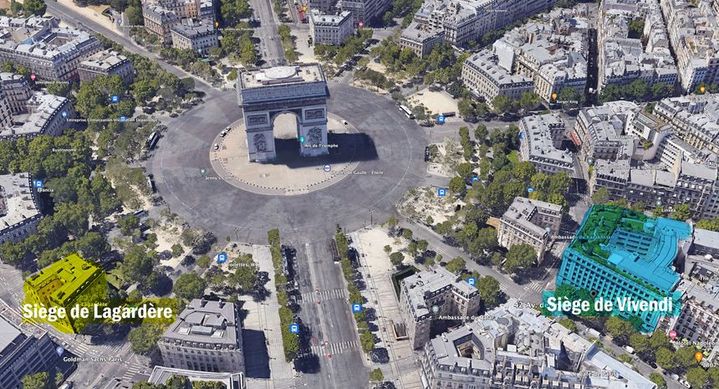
232 380
514 346
694 119
161 16
364 11
487 76
419 39
38 43
198 37
532 222
624 59
44 115
540 138
326 29
462 21
433 295
600 131
19 212
693 31
107 63
552 50
206 336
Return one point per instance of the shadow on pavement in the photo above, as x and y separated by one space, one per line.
257 360
350 147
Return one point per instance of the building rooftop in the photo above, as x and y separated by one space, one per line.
489 64
321 19
161 374
281 75
422 284
211 322
10 338
41 37
193 30
482 348
60 282
17 201
43 108
538 130
632 243
522 209
105 60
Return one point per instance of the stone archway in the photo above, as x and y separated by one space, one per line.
264 94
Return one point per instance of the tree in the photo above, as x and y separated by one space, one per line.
697 377
143 339
528 101
137 264
457 185
681 212
709 224
480 133
407 233
502 104
456 265
39 380
245 275
658 379
177 250
619 329
639 343
489 291
520 257
568 324
387 249
665 358
189 286
600 196
34 7
376 375
204 262
367 341
127 224
396 258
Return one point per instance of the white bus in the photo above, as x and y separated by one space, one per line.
152 140
406 111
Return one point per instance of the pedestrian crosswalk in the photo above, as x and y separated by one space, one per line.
535 287
131 371
327 348
324 295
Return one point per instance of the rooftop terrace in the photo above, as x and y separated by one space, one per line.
632 243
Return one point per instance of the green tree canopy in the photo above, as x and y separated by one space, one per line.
189 286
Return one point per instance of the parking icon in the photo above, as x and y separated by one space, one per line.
356 308
38 184
471 281
115 99
294 328
441 192
222 257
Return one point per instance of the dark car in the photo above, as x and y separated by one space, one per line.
385 385
370 314
372 327
379 355
263 276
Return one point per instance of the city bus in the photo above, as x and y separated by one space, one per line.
152 140
406 111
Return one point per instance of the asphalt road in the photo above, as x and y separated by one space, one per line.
326 311
270 45
392 146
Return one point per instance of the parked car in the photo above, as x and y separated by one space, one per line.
379 355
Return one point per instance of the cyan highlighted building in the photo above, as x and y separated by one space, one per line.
621 253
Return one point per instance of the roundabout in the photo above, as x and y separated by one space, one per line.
382 157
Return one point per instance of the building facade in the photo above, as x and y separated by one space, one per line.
326 29
487 77
22 354
541 136
621 253
207 336
433 295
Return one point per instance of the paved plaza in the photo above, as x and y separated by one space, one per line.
291 174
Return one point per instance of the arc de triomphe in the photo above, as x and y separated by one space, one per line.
265 93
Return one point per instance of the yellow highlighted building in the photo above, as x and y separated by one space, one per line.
69 282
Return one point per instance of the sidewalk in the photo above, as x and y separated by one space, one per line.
377 272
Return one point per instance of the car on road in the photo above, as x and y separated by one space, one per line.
385 385
372 327
216 147
379 355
